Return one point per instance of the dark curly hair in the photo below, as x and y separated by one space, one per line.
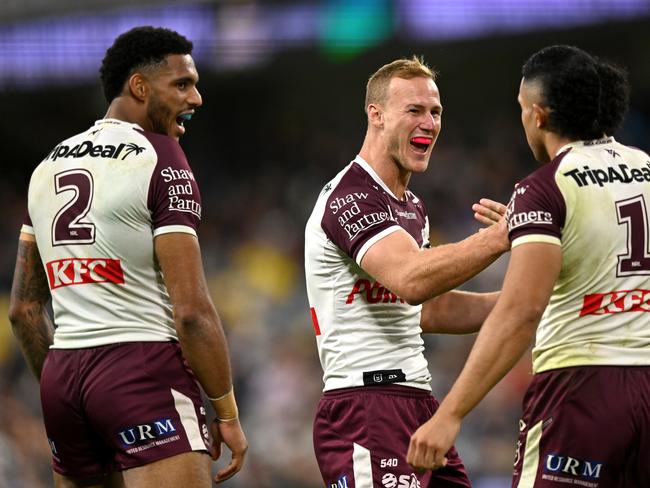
135 49
587 97
615 98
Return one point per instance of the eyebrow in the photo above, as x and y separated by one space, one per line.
420 106
186 79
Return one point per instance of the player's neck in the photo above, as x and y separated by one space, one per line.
394 176
554 142
122 108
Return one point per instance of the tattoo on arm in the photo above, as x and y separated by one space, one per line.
30 293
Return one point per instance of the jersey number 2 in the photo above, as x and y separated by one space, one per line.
68 226
633 214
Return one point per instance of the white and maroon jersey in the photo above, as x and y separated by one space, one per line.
95 204
592 200
366 335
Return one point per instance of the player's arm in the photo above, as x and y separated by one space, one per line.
417 275
456 312
460 312
30 293
505 336
202 339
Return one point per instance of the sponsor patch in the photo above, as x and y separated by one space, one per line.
88 149
586 176
180 191
342 482
81 271
530 217
146 436
373 292
616 302
570 470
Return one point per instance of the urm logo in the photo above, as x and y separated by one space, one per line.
572 466
342 482
147 432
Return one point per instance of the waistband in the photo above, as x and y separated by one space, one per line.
396 390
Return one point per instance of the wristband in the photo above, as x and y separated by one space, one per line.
225 406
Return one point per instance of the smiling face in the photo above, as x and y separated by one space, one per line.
173 96
412 117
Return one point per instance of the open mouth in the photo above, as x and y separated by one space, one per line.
182 118
421 144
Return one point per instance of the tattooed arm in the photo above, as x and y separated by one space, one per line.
30 293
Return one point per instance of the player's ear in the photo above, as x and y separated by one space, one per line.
375 115
138 87
541 116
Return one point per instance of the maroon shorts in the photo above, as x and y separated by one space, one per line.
585 426
117 407
361 436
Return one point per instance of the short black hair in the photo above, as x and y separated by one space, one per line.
587 97
136 48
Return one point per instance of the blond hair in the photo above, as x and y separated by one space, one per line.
407 68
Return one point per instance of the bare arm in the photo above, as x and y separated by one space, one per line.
456 312
30 292
201 336
505 336
417 275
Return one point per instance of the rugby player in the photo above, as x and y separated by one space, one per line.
578 281
111 237
375 284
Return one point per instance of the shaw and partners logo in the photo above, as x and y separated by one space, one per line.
88 149
80 271
374 292
531 217
353 219
616 302
180 191
566 469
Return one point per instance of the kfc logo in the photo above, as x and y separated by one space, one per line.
75 271
616 302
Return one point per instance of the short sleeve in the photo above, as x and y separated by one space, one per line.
355 218
174 199
537 210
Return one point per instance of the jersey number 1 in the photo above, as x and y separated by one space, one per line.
633 214
68 226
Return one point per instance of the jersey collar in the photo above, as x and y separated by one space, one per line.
368 169
593 142
117 122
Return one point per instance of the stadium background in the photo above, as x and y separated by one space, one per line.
283 87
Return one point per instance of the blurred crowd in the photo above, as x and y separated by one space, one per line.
255 208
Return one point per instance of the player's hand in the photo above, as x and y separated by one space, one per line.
432 441
493 215
488 212
232 435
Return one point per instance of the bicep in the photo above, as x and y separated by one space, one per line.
386 259
532 271
179 257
